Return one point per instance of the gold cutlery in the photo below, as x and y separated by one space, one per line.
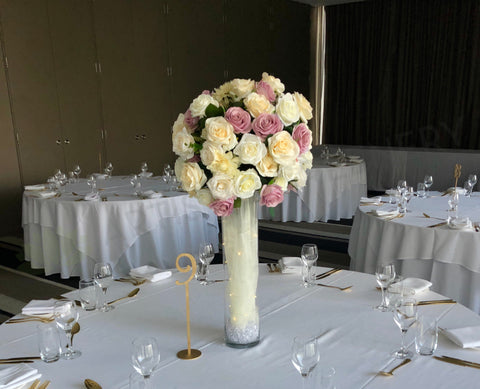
44 385
457 361
133 293
91 384
437 225
28 319
133 281
18 359
431 302
390 373
75 330
34 384
336 287
328 273
432 217
75 194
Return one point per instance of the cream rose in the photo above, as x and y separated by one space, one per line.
183 142
275 83
221 186
241 88
179 123
289 172
210 153
306 160
179 167
225 163
217 130
287 109
281 182
222 93
192 177
301 180
304 107
283 148
200 104
267 167
257 104
250 149
204 196
246 183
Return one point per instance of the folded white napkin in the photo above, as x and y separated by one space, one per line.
416 285
391 192
99 176
150 273
36 187
145 174
355 160
150 194
386 211
92 196
43 194
465 337
291 264
460 223
39 307
371 200
14 376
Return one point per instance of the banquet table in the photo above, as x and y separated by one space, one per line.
356 340
331 193
68 234
448 257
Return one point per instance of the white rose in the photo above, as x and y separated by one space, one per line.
290 172
250 149
222 92
192 177
287 109
283 148
179 167
241 88
210 153
281 182
301 180
306 160
204 196
304 107
221 186
200 104
225 163
182 142
217 130
267 167
246 183
275 83
179 124
257 104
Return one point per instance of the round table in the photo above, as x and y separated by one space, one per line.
447 257
68 234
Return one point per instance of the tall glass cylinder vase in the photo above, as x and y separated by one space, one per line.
240 255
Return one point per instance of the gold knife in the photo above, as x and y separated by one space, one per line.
328 273
474 364
431 302
18 359
437 225
458 362
44 385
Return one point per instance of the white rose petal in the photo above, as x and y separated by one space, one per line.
283 148
204 196
304 107
192 177
246 183
241 88
179 167
257 104
287 110
218 131
210 153
182 142
200 104
290 172
221 186
267 167
179 123
225 163
306 160
250 149
275 83
301 180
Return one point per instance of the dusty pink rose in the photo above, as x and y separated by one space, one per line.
194 159
222 207
265 89
190 121
267 124
239 119
206 92
271 195
303 136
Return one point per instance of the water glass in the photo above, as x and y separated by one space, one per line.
421 190
428 181
305 356
309 256
48 342
426 335
468 186
88 293
136 381
404 315
327 377
206 254
103 276
384 274
145 356
453 201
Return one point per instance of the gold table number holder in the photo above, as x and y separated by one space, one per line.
188 353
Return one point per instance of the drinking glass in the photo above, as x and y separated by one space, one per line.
143 168
108 169
401 185
309 256
407 195
305 356
87 291
327 377
453 201
428 181
404 315
92 183
426 335
421 190
137 185
206 255
48 342
468 186
102 273
145 357
136 381
76 172
66 315
385 274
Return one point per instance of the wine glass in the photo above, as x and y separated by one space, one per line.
143 168
473 179
407 195
401 186
108 169
145 356
206 255
309 256
102 274
385 274
404 315
92 183
468 186
305 356
166 172
428 181
66 315
77 171
136 184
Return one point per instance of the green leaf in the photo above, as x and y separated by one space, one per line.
237 202
196 147
212 111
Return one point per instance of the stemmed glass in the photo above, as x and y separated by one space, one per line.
66 315
385 274
137 184
143 168
404 315
206 255
305 356
108 169
77 171
428 181
102 274
92 183
401 186
145 356
309 256
167 170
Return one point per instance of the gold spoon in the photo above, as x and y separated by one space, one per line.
390 373
75 330
91 384
133 293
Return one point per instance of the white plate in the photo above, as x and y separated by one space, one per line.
354 157
337 164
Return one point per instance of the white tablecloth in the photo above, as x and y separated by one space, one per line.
68 235
449 258
331 193
355 339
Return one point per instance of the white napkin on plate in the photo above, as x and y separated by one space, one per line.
150 194
371 200
99 176
291 264
14 376
465 337
39 307
460 223
417 285
150 273
36 187
145 174
91 196
388 210
43 194
391 192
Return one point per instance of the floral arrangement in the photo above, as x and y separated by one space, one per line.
243 137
